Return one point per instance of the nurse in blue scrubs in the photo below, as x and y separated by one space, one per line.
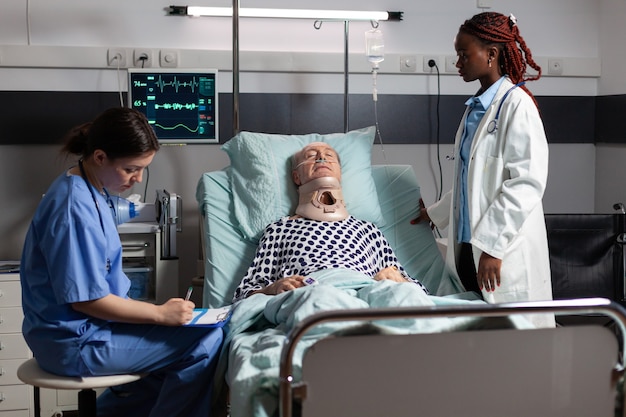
78 319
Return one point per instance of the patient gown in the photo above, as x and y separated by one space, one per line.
302 246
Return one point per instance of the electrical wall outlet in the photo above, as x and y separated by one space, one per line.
142 58
116 57
427 68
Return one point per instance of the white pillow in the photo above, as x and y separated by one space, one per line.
263 189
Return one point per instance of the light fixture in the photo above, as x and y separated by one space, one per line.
327 15
236 12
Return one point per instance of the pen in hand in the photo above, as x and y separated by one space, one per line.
188 295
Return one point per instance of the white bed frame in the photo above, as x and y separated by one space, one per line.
567 371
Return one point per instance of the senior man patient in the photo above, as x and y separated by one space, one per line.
320 235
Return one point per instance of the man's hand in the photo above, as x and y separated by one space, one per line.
282 285
391 273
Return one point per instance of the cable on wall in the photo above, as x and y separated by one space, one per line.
119 80
438 187
145 190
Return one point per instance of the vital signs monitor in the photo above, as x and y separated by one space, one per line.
180 104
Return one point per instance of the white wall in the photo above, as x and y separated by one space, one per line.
610 174
427 26
611 47
611 169
33 53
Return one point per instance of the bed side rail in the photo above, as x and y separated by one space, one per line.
583 306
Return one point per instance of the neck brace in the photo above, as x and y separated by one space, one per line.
312 195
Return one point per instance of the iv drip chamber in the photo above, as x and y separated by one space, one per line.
374 46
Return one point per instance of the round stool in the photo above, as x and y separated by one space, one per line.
30 373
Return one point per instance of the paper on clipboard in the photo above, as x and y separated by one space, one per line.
210 317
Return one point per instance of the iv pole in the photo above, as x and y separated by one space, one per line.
184 11
346 32
317 25
346 72
346 109
235 67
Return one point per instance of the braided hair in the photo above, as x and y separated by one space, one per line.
496 29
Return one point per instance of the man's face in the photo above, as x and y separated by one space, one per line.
316 160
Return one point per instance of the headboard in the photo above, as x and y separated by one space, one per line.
228 253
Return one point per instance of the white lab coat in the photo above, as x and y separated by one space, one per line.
506 179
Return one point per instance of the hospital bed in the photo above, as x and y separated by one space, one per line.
237 202
562 372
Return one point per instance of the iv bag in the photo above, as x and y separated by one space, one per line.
374 46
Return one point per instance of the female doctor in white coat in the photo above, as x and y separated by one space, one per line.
497 240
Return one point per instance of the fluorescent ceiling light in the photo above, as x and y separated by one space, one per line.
342 15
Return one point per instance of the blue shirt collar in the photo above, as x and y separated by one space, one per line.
487 97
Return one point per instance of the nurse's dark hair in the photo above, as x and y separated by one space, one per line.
120 132
496 29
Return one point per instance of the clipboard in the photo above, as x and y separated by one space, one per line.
210 317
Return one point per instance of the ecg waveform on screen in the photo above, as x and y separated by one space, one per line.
176 106
179 105
181 125
193 84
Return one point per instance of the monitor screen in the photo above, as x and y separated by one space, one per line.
180 104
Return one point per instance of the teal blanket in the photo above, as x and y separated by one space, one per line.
260 323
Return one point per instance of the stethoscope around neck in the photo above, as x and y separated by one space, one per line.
83 174
493 125
122 209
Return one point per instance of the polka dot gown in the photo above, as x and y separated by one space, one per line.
301 246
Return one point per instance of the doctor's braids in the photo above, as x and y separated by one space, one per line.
497 29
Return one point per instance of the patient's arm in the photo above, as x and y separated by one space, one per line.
282 285
391 273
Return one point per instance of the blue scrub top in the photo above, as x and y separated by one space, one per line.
72 253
